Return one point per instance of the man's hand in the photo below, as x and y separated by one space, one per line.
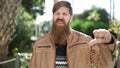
100 36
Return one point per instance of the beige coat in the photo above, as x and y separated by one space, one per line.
79 54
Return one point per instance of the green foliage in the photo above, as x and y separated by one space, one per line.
24 26
24 30
25 60
34 6
104 16
95 14
115 26
87 26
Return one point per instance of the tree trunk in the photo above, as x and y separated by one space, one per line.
8 16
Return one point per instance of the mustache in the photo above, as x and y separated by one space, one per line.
60 20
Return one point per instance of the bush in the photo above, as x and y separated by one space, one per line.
87 27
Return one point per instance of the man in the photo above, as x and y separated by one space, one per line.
63 47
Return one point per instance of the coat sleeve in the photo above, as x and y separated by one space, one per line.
32 63
105 57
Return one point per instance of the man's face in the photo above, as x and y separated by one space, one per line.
62 17
60 27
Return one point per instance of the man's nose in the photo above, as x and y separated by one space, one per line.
60 16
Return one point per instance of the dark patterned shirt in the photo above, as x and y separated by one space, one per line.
61 59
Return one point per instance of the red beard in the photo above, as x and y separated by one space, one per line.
60 33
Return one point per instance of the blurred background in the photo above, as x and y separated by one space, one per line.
22 22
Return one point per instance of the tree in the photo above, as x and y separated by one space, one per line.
87 27
95 14
34 7
8 15
9 20
115 27
24 30
25 26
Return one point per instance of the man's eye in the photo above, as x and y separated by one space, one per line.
57 14
64 14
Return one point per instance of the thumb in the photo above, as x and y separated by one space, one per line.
92 42
95 41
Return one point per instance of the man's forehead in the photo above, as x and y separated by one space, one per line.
63 9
